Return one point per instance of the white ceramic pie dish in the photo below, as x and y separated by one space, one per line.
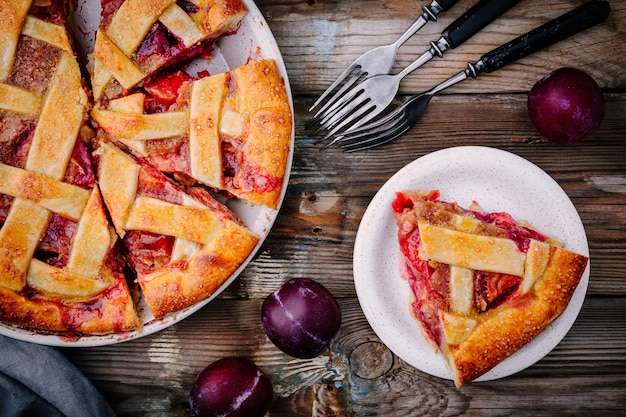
498 181
252 41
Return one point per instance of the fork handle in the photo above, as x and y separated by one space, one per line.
475 19
446 4
566 25
429 13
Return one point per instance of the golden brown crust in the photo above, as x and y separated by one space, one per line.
84 292
473 340
233 132
49 208
217 17
261 96
111 312
121 34
209 242
178 286
508 328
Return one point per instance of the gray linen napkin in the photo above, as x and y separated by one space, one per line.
38 380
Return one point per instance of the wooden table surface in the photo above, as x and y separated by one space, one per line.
329 191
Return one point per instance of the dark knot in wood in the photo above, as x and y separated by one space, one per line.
371 360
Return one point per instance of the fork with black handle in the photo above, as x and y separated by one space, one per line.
379 60
372 96
407 115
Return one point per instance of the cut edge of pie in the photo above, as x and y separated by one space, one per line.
230 131
140 38
483 285
196 242
64 240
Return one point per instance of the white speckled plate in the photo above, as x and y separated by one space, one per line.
251 41
498 181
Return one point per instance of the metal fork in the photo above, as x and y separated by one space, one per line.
406 116
373 95
380 60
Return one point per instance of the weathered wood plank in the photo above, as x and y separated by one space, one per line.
154 374
319 39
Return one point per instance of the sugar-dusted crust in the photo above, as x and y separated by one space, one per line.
112 311
209 243
230 131
66 258
260 95
59 271
478 317
175 287
506 329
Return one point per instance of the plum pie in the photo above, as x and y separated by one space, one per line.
114 178
483 285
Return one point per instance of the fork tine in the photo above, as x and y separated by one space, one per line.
363 129
375 144
350 104
340 103
383 123
337 127
359 130
335 84
377 140
370 129
333 122
360 119
342 91
328 123
360 113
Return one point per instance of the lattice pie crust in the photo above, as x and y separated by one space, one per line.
483 285
81 204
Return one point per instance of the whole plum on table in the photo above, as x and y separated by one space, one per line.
231 387
301 318
566 105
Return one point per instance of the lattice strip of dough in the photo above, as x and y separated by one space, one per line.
478 252
19 100
60 121
111 60
207 97
186 222
23 228
63 284
92 240
132 21
119 176
12 16
126 31
65 199
143 126
185 249
47 32
181 25
134 104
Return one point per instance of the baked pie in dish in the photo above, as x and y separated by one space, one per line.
114 186
483 285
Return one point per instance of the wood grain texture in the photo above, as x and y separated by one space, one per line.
332 34
328 193
153 375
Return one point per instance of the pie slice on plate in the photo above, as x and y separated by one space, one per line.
483 284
